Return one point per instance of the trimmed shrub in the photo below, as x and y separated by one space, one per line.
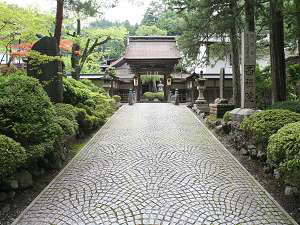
95 106
149 96
67 126
160 95
75 91
152 95
293 106
283 152
12 156
26 113
226 117
91 86
261 125
117 98
68 111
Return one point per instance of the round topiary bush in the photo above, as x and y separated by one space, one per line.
68 111
26 113
293 106
283 152
12 156
262 125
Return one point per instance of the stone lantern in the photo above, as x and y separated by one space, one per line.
201 104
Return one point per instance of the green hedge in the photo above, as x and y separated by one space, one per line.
284 152
293 106
12 156
262 125
152 95
94 104
26 113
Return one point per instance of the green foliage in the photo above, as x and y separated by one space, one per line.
92 87
12 156
226 117
150 78
67 126
75 91
261 125
160 95
263 87
158 15
117 98
293 106
144 30
70 113
293 77
26 113
284 152
93 105
149 96
152 95
19 23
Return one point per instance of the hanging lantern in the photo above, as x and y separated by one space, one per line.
169 81
135 81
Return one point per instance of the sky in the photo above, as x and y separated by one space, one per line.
124 10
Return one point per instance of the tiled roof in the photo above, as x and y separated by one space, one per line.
152 48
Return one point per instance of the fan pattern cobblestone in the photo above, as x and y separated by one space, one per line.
154 164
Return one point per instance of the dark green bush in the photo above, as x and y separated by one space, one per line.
68 111
95 106
75 92
284 152
293 106
226 117
12 156
262 125
67 126
26 113
91 86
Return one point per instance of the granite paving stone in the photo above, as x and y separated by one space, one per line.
154 164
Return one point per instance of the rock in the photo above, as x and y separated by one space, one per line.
217 123
244 151
24 179
252 150
5 209
289 190
239 114
3 196
276 174
219 129
267 169
261 154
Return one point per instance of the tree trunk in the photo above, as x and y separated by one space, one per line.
279 90
297 4
250 15
59 19
236 73
75 58
78 27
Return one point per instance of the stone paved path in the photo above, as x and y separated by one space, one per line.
154 164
